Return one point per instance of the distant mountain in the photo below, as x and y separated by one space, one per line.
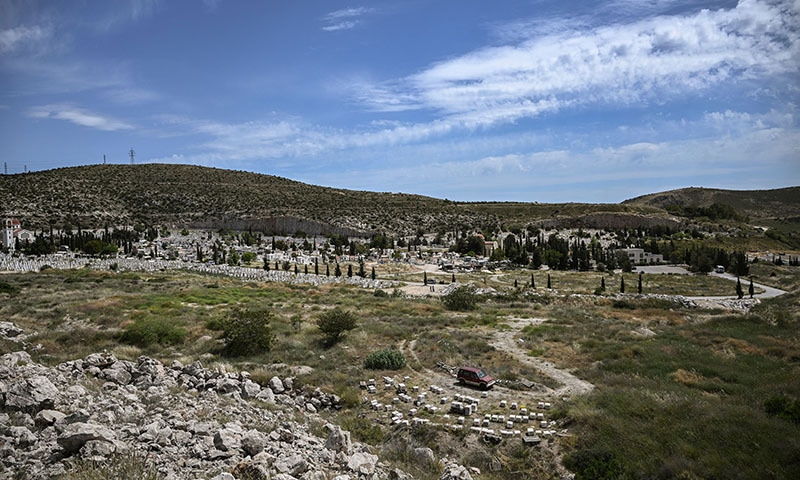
97 196
755 204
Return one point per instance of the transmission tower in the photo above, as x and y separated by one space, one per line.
132 154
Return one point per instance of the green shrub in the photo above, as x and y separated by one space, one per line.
594 464
334 323
782 406
386 359
6 287
380 293
463 298
149 331
247 332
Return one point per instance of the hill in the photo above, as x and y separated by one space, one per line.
757 204
97 196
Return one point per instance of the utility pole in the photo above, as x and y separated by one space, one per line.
104 159
5 168
132 154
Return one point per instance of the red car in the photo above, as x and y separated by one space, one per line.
475 377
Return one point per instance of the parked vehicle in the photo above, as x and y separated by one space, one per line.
475 377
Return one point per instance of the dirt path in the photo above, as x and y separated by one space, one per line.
504 340
570 384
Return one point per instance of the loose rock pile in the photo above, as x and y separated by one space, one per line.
189 421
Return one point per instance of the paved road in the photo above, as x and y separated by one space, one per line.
769 292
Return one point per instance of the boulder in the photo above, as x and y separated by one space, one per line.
31 394
253 442
453 471
338 439
362 463
276 385
75 436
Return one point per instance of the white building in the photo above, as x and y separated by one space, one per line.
12 231
638 256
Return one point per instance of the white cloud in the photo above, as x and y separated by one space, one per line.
645 62
78 116
344 19
23 38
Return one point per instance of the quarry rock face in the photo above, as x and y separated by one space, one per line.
188 422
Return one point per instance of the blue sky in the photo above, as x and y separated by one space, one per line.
538 100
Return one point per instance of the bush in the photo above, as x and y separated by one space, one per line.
386 359
6 287
247 332
381 293
334 323
594 464
783 407
149 331
463 299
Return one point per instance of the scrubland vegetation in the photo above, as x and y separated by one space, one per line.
679 392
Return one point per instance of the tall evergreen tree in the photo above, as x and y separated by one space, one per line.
739 291
603 284
424 278
372 275
349 271
337 271
622 284
533 282
549 285
639 288
750 289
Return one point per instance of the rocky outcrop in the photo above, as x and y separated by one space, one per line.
187 421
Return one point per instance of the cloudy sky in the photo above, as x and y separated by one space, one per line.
536 100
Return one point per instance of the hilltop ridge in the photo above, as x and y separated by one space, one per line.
98 196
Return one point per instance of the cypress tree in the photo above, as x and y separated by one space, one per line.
549 285
739 291
533 282
453 278
622 285
603 283
337 271
316 266
750 289
306 269
328 269
425 278
515 283
372 275
349 271
640 283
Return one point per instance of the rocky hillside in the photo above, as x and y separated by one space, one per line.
756 204
172 421
97 196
